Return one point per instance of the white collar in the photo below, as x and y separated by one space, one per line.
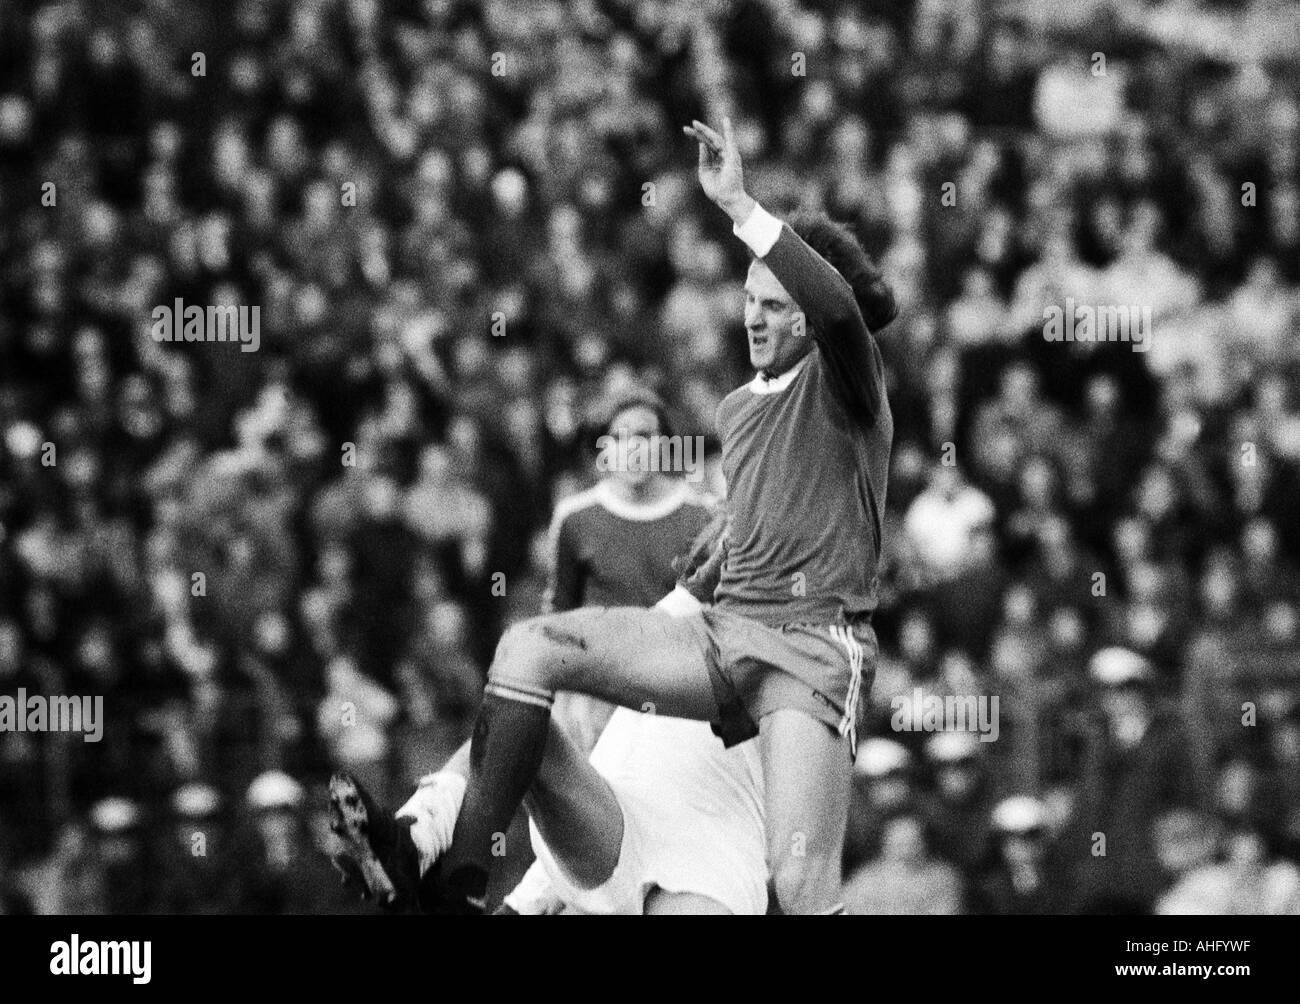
774 385
640 512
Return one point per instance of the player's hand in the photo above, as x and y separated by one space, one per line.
720 172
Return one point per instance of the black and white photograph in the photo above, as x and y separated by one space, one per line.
650 457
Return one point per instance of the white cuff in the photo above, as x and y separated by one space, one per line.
759 231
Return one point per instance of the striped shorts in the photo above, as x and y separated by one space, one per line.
825 670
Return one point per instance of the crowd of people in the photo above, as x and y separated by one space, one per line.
465 224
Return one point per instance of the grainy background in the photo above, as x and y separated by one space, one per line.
466 223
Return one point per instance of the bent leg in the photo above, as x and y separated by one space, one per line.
582 717
576 812
571 803
643 659
806 775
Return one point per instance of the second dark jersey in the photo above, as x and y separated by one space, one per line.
608 552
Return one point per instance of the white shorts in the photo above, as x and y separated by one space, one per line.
692 819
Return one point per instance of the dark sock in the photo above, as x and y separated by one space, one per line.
505 755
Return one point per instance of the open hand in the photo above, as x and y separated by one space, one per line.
720 172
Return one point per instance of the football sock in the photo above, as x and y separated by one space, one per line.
505 755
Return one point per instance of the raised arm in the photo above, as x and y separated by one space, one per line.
832 305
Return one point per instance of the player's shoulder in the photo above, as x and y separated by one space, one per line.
678 500
728 405
698 510
734 404
601 505
810 368
574 506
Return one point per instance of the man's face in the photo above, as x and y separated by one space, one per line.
770 321
634 431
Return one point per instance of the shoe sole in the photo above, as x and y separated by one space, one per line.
350 822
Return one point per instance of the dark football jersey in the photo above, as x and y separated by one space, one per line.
609 552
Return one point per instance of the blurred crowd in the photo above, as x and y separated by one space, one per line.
465 223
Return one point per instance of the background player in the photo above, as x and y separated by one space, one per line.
613 544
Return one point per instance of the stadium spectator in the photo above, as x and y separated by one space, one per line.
456 256
904 878
1020 878
1135 770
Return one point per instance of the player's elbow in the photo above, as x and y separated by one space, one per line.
877 302
841 312
863 290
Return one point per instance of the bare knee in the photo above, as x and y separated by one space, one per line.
806 883
533 652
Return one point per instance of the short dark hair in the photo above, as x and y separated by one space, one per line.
837 244
637 397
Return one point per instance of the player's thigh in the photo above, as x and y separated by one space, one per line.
660 903
576 812
806 774
639 658
582 717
